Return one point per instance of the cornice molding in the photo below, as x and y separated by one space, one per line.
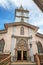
3 31
39 3
14 36
39 35
22 23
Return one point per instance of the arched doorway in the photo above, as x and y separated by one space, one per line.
22 50
2 43
39 46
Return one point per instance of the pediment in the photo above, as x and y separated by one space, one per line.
22 23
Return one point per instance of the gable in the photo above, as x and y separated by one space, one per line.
22 23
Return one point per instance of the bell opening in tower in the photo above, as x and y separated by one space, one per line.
21 15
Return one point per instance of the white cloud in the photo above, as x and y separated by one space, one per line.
35 14
4 3
37 19
40 30
23 2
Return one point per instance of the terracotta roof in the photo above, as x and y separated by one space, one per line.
21 23
39 35
39 3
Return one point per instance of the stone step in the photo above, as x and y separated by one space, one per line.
23 63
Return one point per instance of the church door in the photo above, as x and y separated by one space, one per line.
24 55
22 52
18 55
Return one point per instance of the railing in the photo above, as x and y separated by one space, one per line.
41 58
6 60
37 59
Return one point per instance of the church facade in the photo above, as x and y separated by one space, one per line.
20 38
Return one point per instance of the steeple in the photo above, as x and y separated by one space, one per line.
21 7
21 14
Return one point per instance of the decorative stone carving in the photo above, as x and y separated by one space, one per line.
22 45
22 41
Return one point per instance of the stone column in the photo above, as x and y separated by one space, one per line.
22 55
31 51
31 55
12 49
15 55
28 56
13 43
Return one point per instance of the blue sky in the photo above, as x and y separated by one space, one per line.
7 12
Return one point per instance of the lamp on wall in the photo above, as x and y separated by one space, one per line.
30 45
31 41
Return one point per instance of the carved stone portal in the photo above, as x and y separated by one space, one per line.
21 50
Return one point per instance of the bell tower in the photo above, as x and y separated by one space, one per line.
21 15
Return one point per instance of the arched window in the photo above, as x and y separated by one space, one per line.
39 46
22 30
2 43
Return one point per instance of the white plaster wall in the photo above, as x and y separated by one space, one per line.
34 47
22 14
16 31
13 44
26 31
17 19
18 13
26 19
7 38
26 14
39 39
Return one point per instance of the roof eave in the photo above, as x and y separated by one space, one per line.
21 23
39 35
3 31
39 4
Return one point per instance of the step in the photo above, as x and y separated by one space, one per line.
23 63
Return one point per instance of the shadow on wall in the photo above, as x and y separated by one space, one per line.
2 44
